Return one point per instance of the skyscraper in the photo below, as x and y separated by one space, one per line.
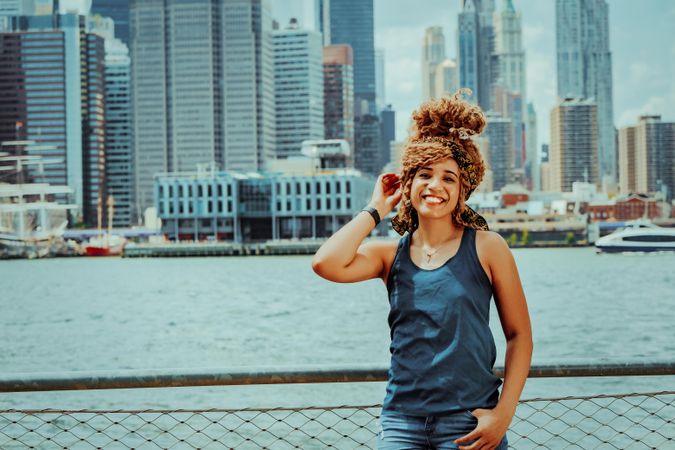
509 56
118 11
51 71
387 134
338 88
446 78
499 132
367 157
203 84
119 142
573 150
298 88
532 173
248 84
351 22
380 91
584 67
433 54
475 39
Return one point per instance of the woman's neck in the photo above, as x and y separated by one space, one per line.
435 232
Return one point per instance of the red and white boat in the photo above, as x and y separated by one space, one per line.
107 245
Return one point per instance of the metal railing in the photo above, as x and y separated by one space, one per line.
616 421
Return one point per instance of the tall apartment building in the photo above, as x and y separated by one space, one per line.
500 155
647 156
51 76
433 55
338 89
626 161
573 149
298 88
475 39
584 68
203 86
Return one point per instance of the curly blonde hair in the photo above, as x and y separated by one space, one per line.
443 129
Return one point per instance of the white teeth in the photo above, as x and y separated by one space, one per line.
431 199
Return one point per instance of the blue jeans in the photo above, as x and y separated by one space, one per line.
402 432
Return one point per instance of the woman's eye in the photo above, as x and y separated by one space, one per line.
449 180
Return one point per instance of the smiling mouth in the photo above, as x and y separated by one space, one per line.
433 199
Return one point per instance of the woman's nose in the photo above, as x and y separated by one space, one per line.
433 182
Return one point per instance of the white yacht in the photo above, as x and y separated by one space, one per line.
638 236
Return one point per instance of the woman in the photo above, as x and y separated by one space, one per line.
440 276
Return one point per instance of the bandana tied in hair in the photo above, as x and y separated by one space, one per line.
406 220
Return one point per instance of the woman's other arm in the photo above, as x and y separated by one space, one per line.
515 320
343 258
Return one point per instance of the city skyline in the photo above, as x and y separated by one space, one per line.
641 43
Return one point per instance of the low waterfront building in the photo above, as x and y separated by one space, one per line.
254 207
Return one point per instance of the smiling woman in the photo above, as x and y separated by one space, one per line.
441 275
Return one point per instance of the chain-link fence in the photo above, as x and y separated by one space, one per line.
622 421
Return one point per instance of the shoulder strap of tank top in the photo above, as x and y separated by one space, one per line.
402 246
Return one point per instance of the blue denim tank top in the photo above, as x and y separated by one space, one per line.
442 349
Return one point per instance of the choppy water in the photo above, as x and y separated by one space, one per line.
111 314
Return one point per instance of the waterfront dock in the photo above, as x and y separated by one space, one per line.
184 249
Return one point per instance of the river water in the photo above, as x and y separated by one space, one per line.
84 314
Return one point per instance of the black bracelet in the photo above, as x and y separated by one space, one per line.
373 213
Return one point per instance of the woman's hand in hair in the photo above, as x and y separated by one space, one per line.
387 193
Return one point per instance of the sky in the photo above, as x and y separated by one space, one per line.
642 43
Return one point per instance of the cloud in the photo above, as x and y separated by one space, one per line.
640 72
655 105
533 33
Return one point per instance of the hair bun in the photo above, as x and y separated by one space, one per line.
449 117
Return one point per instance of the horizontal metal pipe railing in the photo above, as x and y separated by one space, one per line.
127 379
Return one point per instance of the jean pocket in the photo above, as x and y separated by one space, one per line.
470 415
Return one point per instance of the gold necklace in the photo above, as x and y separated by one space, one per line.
429 252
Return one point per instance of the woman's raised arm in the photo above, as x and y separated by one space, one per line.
343 258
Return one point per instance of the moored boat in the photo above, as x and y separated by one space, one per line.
638 236
108 245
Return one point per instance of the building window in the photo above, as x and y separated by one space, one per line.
349 203
318 187
309 204
348 188
318 203
337 187
338 202
328 203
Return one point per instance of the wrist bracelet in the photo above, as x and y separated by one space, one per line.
373 213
